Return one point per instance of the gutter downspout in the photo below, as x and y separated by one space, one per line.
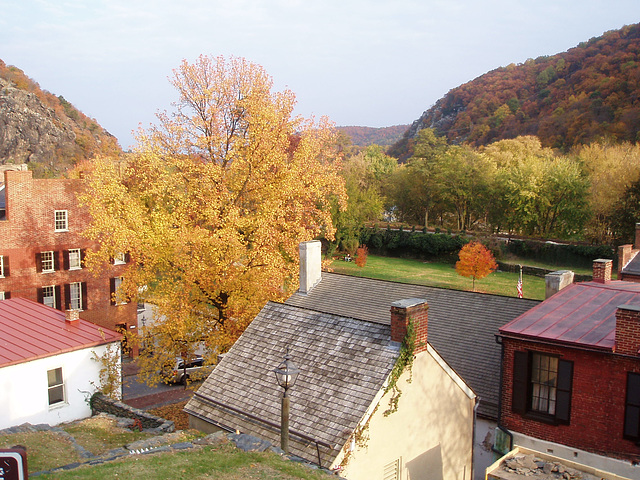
473 443
499 423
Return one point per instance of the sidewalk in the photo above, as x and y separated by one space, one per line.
161 399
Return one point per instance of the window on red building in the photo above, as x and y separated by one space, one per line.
542 386
61 221
632 407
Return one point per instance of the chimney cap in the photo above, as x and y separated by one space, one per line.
633 308
408 302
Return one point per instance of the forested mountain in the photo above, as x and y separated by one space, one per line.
383 136
43 130
588 93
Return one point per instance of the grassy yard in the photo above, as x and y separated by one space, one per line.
221 462
440 275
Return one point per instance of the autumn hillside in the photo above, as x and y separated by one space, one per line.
365 136
588 93
44 130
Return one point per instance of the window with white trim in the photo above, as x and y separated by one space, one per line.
75 296
75 259
2 266
61 220
117 296
55 386
542 386
47 263
120 259
49 296
2 296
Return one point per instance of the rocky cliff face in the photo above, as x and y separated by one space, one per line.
44 131
31 132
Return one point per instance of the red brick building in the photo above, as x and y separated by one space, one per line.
571 371
42 252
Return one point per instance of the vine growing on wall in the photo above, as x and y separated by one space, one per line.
110 379
404 361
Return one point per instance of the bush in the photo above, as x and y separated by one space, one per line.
361 256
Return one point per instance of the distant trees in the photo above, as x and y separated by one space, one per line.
365 176
513 185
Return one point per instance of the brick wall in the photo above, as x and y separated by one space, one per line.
597 401
29 229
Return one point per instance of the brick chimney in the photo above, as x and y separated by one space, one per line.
625 254
310 265
556 281
628 330
414 309
72 317
602 270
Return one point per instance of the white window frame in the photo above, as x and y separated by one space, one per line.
119 300
49 262
1 295
45 298
61 220
75 296
120 259
77 256
56 386
1 266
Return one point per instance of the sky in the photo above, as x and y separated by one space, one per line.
370 63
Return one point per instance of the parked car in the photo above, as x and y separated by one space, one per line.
180 374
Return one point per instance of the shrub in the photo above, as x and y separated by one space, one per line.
361 256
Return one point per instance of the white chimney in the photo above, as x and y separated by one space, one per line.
310 265
556 281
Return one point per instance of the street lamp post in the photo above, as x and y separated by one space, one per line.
286 375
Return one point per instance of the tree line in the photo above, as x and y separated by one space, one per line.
513 186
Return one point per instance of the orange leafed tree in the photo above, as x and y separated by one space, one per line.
476 261
213 204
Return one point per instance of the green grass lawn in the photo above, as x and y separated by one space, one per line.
221 462
440 275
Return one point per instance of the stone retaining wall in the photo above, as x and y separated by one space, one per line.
536 272
101 403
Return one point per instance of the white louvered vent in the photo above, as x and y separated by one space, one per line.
391 470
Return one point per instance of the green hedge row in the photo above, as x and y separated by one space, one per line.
402 243
560 254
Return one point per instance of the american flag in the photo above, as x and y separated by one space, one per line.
519 287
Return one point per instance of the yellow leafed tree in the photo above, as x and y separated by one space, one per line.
213 203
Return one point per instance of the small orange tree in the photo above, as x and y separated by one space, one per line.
361 255
476 261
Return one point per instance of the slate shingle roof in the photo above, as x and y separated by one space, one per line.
633 267
462 325
343 363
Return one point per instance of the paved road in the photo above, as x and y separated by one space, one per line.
140 395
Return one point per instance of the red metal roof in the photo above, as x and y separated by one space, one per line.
30 330
581 314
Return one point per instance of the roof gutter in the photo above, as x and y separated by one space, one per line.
256 419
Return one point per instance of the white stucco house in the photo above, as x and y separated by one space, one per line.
48 369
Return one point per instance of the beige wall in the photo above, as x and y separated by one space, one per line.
431 432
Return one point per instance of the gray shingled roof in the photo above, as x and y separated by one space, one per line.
633 267
462 325
343 362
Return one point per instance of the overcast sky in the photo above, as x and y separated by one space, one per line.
371 63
